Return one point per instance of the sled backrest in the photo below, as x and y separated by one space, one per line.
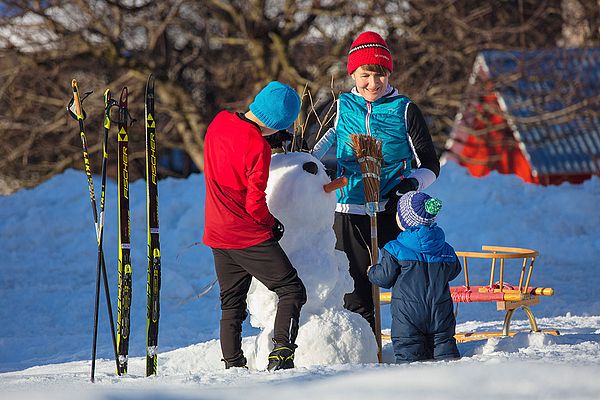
498 255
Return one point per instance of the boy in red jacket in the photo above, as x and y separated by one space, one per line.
239 228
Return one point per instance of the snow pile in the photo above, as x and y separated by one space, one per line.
328 334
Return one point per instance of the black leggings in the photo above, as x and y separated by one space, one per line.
353 234
268 263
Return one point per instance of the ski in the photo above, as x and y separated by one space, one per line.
153 285
124 296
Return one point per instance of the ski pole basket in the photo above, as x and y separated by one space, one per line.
508 297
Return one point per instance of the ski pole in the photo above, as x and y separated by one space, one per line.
108 103
76 111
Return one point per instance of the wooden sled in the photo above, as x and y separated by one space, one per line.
507 297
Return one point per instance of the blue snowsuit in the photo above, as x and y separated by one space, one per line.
419 264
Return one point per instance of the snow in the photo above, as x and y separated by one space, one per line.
48 270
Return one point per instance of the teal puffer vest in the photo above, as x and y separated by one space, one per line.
383 119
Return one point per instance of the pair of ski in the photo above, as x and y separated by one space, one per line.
154 265
121 339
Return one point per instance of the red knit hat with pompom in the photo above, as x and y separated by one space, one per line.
369 48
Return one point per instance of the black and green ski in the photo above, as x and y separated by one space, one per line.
153 286
124 296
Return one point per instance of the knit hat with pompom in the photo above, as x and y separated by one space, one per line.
418 208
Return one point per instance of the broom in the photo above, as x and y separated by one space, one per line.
369 157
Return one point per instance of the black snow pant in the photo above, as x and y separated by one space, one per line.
268 263
353 234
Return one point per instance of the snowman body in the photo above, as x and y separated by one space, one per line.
328 334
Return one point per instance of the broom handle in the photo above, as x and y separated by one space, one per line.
375 288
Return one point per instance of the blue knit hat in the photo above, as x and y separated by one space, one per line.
418 208
277 105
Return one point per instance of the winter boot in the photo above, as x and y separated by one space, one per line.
282 357
238 362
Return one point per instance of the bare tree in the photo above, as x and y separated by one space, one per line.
216 54
437 43
205 55
102 44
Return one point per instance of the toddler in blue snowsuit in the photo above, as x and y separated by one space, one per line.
418 265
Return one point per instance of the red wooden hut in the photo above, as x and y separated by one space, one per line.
535 114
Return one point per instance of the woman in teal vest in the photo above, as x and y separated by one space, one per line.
375 108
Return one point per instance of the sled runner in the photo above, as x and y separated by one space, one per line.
507 297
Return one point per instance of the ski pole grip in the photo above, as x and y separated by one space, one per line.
335 184
76 99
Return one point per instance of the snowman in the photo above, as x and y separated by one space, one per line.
301 196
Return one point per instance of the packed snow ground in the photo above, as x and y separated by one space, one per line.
47 281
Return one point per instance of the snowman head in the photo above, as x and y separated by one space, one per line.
299 192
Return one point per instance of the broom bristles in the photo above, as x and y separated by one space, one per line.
368 153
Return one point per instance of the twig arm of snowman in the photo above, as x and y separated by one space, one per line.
257 174
385 273
329 138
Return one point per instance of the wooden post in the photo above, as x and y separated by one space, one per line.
522 274
501 273
529 273
466 271
493 272
375 288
